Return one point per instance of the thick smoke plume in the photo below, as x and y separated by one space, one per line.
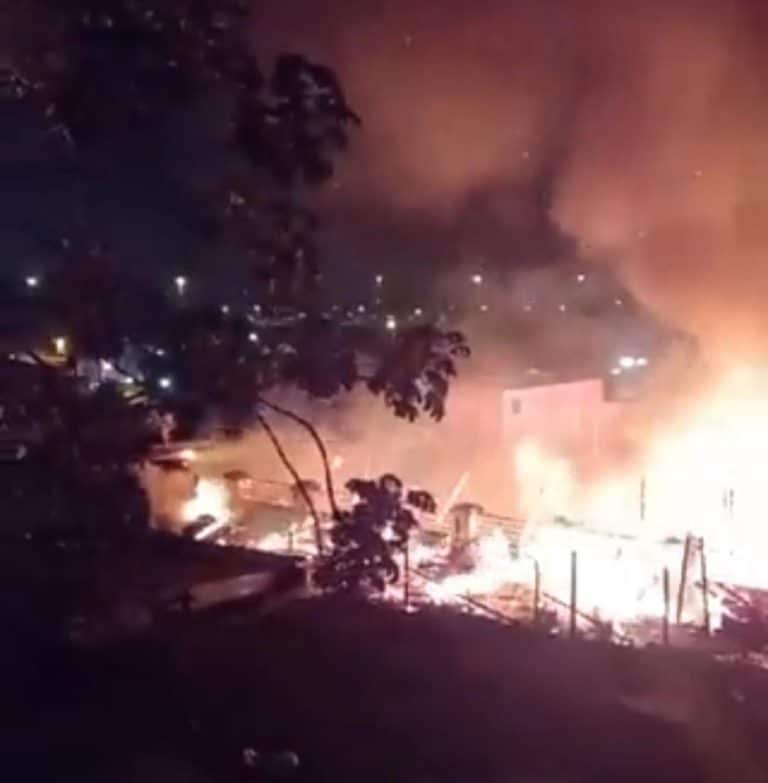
637 129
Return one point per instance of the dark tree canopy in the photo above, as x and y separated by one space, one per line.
368 538
111 78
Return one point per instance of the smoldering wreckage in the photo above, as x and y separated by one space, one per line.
668 551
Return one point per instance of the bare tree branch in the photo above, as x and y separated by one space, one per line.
297 480
309 427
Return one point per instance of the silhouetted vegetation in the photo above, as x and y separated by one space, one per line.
368 538
108 79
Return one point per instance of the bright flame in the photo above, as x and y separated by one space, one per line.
704 476
211 499
494 567
701 478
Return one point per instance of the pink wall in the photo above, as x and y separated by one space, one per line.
565 416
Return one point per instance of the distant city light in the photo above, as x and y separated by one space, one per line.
484 308
225 309
160 352
562 308
107 366
616 371
417 311
165 382
32 281
477 279
641 361
60 345
253 337
181 283
379 279
361 308
581 277
618 302
627 362
391 323
257 308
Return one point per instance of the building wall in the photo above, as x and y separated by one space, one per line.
565 416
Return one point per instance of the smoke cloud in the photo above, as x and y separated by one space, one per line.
635 129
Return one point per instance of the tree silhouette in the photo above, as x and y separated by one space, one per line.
367 539
108 78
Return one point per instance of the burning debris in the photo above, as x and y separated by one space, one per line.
569 573
598 543
209 502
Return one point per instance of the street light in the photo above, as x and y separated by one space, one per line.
32 281
181 284
379 279
391 323
477 279
165 382
60 345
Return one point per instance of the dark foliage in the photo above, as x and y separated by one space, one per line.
414 376
367 538
110 75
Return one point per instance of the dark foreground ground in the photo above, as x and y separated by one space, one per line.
366 694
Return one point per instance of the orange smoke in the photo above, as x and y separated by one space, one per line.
637 129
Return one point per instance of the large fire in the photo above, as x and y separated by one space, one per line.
697 478
702 475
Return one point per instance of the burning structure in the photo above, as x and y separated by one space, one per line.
627 505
